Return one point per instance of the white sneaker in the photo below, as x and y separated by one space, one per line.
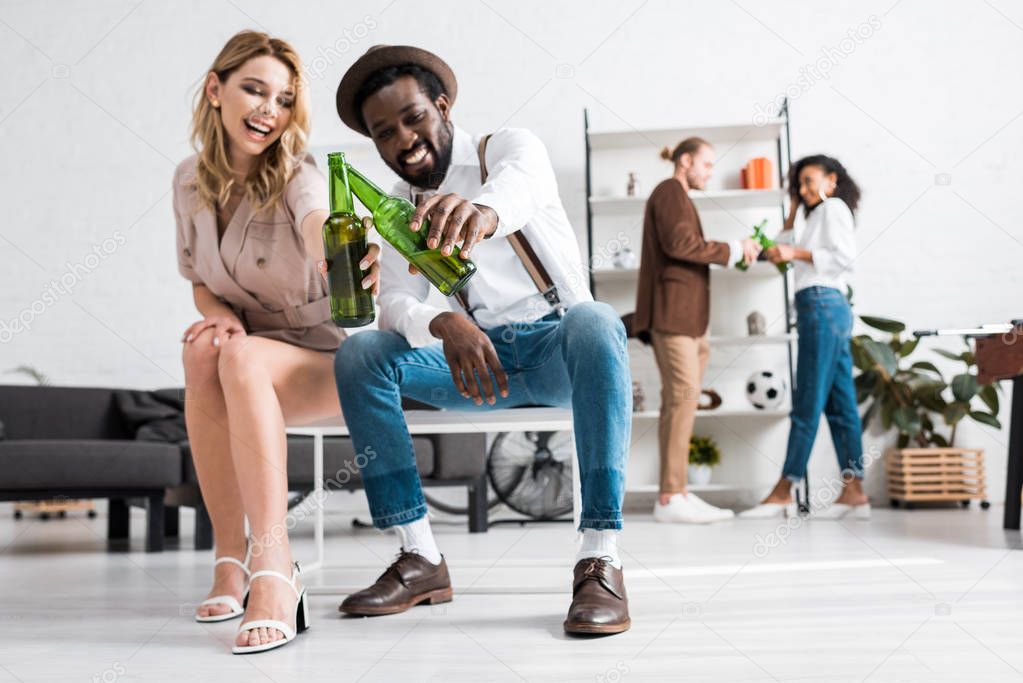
770 510
837 511
682 509
722 513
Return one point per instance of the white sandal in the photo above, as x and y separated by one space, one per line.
301 617
770 510
237 609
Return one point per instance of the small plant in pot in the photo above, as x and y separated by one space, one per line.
915 399
703 455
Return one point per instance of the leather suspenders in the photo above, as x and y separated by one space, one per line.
524 250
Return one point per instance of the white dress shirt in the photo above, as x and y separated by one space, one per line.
828 234
522 190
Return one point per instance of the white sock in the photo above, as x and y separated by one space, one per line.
600 543
416 537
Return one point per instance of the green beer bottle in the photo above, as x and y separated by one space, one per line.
765 244
392 216
344 245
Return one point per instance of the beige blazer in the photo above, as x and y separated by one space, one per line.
260 268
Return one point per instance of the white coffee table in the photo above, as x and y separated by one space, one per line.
434 422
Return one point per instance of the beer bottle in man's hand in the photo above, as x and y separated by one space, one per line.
392 216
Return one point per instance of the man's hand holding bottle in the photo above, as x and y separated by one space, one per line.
454 220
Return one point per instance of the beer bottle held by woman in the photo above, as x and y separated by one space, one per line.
344 246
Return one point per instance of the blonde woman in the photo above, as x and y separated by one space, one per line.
249 207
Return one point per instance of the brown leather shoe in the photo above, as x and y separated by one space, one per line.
411 580
599 602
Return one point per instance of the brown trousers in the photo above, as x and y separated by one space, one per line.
682 361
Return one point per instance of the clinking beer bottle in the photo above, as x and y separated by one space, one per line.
765 244
344 245
392 216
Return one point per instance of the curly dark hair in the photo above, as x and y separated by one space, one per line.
846 188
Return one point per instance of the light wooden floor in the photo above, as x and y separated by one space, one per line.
927 595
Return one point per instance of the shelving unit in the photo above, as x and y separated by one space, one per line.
724 202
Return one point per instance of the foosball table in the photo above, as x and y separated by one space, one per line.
998 349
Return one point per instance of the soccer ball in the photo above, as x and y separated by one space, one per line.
766 390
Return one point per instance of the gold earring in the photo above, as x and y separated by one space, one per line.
216 104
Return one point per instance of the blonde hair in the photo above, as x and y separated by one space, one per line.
690 145
274 167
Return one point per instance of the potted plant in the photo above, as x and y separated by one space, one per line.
914 398
703 455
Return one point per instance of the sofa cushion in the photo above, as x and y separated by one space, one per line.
45 412
460 456
339 463
62 464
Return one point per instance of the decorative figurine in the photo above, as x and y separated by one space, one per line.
756 323
638 398
632 186
625 258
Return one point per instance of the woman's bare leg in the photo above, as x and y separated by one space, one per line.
267 383
206 418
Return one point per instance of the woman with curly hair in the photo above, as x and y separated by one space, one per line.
822 256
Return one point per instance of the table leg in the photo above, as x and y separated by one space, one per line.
1014 469
319 502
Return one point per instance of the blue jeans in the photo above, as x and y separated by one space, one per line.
578 361
824 382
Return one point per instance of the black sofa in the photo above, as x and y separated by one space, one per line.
74 442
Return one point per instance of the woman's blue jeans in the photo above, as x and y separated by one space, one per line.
578 361
824 382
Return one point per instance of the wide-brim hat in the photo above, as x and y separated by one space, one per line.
381 57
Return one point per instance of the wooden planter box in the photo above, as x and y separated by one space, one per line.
932 475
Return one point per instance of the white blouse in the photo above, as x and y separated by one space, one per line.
828 235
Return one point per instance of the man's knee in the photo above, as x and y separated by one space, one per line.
365 352
594 323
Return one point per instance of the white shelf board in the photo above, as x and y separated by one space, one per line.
615 274
711 200
758 269
751 340
654 488
669 137
719 413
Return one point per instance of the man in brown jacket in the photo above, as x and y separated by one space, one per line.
673 310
